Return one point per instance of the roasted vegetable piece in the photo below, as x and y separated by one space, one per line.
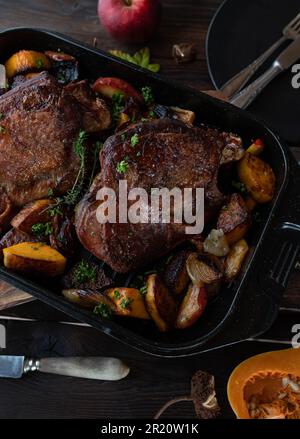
34 258
175 275
26 60
250 203
234 219
192 306
12 237
203 268
258 178
256 148
266 386
59 56
160 303
87 298
186 116
63 236
216 243
32 213
235 259
128 302
110 86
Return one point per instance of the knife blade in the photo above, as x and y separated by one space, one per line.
97 368
283 62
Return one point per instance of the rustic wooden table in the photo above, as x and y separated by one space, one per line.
153 381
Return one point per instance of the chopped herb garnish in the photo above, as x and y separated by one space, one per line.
143 290
147 95
133 119
72 196
85 272
122 167
126 302
257 217
239 187
134 140
144 119
1 116
123 137
2 129
50 193
39 63
117 106
103 310
151 114
138 154
40 229
117 294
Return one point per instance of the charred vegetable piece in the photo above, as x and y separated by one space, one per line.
86 275
204 268
235 259
233 150
216 243
258 178
63 235
257 147
160 303
192 306
186 116
175 275
59 56
34 258
110 86
204 395
65 71
26 61
87 298
34 213
128 302
234 219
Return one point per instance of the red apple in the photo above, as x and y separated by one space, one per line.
110 86
133 21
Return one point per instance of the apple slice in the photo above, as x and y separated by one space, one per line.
192 306
110 86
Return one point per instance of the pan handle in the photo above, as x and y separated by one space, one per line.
283 249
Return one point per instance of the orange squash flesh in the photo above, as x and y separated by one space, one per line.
255 388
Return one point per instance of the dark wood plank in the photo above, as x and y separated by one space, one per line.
153 381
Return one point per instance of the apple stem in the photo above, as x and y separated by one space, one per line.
171 402
128 2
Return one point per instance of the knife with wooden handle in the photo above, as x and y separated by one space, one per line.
95 368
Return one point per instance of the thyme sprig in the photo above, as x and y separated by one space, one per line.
72 196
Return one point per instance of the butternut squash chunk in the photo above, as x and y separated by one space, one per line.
25 61
128 302
34 258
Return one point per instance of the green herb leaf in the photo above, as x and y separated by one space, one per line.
1 116
40 229
240 187
117 106
85 272
2 129
143 290
39 63
117 294
147 94
134 140
50 193
103 310
122 167
126 302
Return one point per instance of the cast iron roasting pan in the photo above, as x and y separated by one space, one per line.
250 304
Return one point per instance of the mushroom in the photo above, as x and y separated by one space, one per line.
203 395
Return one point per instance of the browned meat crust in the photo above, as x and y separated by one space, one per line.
168 154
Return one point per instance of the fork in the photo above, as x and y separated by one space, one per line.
235 84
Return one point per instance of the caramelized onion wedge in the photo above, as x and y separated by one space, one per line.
202 272
235 259
192 307
86 298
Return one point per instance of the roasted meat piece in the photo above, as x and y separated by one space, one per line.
161 153
40 120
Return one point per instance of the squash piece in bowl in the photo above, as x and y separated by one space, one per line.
34 258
